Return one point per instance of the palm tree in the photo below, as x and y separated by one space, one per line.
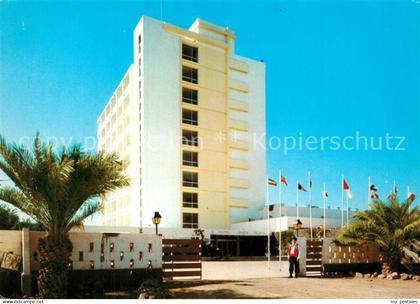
391 226
58 190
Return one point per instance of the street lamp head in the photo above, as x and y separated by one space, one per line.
297 226
156 218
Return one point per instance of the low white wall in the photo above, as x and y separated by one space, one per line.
146 248
145 252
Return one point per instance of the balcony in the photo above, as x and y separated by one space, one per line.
190 179
190 74
190 96
190 158
189 117
190 138
189 220
189 53
189 200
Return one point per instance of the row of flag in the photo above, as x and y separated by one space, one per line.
300 187
373 189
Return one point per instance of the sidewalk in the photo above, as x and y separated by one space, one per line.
235 270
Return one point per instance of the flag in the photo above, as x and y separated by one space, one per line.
390 197
347 188
373 194
283 180
411 197
272 182
310 182
395 190
300 187
324 194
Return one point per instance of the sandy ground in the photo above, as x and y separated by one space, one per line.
247 280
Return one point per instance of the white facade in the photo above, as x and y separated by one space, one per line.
143 122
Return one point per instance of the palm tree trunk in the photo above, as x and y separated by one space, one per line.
53 270
392 259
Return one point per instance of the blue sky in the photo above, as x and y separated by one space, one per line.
334 68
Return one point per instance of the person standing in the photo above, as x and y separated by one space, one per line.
293 256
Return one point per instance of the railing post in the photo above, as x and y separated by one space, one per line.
302 261
25 279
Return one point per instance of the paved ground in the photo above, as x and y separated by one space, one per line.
222 270
245 280
284 288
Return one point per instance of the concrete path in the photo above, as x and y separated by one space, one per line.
236 270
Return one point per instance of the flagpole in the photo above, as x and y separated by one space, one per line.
342 200
268 227
280 219
347 210
310 203
368 201
393 190
297 200
325 219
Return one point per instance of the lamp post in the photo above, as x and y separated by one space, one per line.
297 226
156 220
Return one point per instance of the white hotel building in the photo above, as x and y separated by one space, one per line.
185 117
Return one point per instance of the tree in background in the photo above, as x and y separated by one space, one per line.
286 239
9 220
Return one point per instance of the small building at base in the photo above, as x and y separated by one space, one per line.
248 238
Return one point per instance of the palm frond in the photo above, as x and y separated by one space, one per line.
89 208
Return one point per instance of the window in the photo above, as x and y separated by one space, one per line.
139 41
190 74
190 96
190 200
189 117
190 158
80 255
189 220
91 246
190 53
190 138
190 179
